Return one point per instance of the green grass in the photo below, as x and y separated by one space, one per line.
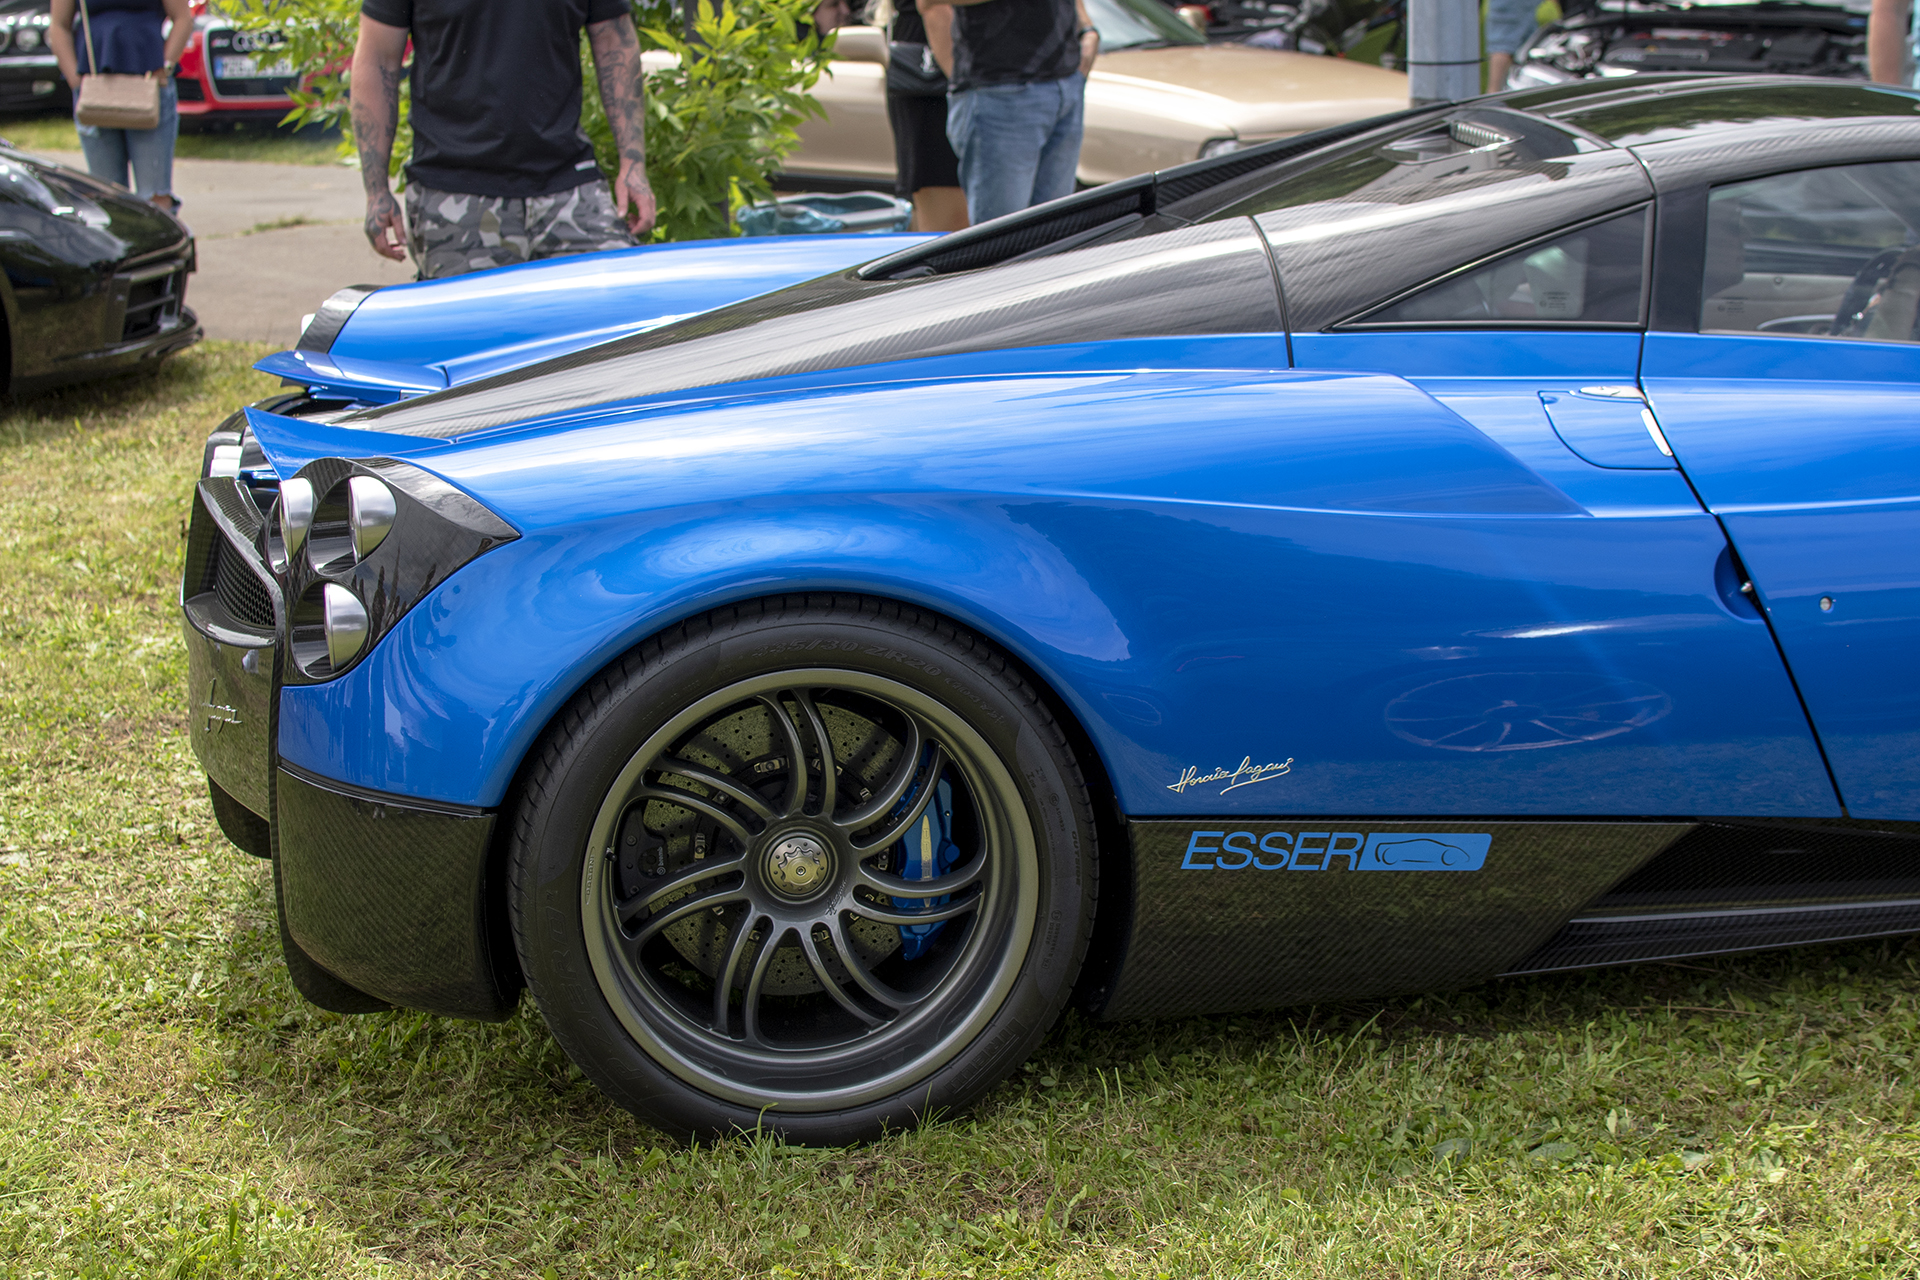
220 141
169 1107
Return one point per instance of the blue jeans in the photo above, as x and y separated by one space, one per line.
1019 144
1509 25
148 151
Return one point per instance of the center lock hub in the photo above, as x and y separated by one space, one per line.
799 866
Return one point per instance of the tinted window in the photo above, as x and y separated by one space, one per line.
1586 277
1823 253
1360 223
1427 160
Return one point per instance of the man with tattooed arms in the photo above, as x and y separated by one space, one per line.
501 172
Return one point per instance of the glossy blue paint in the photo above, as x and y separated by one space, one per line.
1212 566
1605 430
468 326
1808 449
377 381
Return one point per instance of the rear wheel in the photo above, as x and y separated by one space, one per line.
825 865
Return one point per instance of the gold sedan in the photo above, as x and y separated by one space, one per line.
1160 95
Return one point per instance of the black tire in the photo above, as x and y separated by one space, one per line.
743 957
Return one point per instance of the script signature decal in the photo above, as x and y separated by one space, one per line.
1245 776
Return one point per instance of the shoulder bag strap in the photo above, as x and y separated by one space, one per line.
86 21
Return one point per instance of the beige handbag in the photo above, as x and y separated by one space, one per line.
115 102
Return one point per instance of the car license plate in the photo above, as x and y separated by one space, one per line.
248 68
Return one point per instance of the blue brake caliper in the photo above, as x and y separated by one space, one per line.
927 853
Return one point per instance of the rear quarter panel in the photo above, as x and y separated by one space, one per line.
1211 566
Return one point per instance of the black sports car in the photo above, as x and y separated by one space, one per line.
1624 37
29 77
96 278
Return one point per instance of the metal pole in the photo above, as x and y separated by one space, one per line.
1443 50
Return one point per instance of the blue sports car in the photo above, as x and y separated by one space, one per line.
1483 540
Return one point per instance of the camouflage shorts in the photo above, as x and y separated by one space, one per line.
451 234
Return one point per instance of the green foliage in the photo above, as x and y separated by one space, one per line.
721 108
721 116
320 36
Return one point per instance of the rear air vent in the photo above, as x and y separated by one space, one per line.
240 593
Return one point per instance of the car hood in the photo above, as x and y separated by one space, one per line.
1257 92
412 338
83 220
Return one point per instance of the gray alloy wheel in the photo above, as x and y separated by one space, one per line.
749 965
805 896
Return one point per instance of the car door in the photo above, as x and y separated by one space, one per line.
1631 675
1795 413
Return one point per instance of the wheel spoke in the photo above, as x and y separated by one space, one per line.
796 756
896 786
687 800
750 1005
828 797
901 887
818 963
729 787
862 977
897 827
737 943
693 873
692 905
921 915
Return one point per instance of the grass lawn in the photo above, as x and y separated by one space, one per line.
224 141
169 1107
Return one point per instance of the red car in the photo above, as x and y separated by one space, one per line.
226 74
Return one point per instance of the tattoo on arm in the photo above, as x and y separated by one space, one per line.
616 59
376 119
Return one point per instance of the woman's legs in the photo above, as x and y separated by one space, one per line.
151 152
106 151
940 209
926 169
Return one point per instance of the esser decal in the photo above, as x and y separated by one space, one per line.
1327 850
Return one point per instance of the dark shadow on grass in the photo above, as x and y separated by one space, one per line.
86 407
1795 984
527 1101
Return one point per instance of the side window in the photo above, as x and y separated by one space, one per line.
1587 277
1829 253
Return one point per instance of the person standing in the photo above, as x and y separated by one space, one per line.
129 38
1510 24
927 172
501 171
1890 43
1016 110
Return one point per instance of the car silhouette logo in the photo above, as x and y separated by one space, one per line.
1425 851
1420 853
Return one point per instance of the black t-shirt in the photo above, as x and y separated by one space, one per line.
1014 42
496 92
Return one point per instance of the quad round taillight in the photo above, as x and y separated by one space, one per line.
370 512
293 518
344 622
